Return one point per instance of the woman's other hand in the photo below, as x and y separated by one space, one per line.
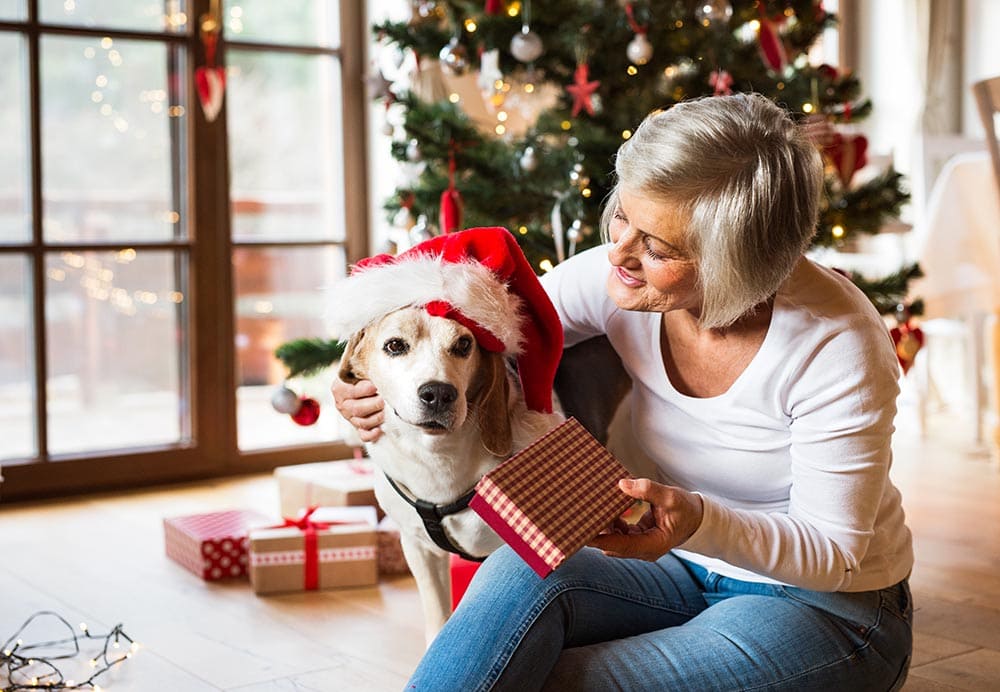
361 406
673 516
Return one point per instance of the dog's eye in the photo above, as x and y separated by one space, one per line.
395 347
463 346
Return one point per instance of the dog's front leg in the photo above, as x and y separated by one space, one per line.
429 566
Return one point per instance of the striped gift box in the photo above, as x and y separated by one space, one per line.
548 500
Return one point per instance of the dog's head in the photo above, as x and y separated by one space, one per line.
432 375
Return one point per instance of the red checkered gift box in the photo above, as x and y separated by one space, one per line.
212 545
553 496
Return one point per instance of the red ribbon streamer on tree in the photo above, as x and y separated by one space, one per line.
771 47
630 15
451 200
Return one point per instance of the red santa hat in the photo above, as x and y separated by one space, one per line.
478 277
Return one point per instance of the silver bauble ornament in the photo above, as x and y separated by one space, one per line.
713 11
454 58
284 400
639 50
526 46
529 159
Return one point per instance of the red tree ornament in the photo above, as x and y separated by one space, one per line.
582 90
908 340
848 154
308 412
451 201
494 7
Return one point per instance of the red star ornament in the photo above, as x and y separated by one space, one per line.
582 90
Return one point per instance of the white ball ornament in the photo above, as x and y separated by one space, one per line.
574 233
526 46
639 50
709 11
413 152
529 159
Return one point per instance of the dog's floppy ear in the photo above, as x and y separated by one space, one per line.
351 367
492 404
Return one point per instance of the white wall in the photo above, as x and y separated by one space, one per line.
981 55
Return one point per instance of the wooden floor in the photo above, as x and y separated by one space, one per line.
100 560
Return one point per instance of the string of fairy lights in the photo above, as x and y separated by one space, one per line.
44 665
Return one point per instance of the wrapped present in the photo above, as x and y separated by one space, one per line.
462 571
212 545
391 560
324 548
548 500
344 483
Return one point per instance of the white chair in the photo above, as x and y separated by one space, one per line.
959 235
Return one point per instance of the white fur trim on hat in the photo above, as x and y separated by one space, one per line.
472 288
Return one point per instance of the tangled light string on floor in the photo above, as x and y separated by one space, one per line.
32 665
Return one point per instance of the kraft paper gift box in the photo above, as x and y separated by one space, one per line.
344 483
548 500
212 545
391 560
324 548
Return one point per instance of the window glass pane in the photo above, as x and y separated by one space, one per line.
284 119
17 389
15 217
137 15
108 141
280 296
12 9
115 359
296 22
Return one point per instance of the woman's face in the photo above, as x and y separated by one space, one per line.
653 269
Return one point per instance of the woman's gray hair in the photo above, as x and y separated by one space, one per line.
751 181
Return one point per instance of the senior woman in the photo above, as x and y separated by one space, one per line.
775 554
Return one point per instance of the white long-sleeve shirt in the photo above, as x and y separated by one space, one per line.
792 462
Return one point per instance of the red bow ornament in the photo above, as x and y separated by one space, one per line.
848 154
210 80
908 340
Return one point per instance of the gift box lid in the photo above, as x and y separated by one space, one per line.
330 521
212 525
548 500
348 474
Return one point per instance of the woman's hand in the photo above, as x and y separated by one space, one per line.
361 406
674 515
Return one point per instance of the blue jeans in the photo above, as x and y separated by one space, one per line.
600 623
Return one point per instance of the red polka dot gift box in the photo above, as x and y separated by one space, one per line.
213 545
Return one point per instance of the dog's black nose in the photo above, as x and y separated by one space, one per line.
437 396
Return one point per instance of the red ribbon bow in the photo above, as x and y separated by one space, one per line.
309 527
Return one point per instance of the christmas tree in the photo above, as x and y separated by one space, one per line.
578 76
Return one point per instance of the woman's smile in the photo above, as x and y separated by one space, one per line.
628 279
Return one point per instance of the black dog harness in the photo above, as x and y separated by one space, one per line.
432 515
